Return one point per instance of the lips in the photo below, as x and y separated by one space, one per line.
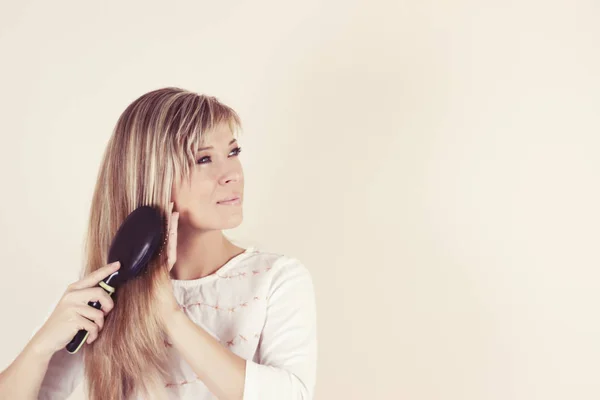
229 199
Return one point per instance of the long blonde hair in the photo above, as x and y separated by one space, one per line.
153 144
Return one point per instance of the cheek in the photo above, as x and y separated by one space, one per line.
203 191
197 193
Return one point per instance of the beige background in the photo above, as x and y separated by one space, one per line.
433 163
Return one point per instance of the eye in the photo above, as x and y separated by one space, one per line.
237 151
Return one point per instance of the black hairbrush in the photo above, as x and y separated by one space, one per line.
136 242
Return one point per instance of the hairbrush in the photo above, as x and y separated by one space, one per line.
136 242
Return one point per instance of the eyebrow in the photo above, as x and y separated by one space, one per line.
211 147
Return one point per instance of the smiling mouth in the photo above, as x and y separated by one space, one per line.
233 201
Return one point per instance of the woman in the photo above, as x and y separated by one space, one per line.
210 319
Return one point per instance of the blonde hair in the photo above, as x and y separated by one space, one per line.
153 144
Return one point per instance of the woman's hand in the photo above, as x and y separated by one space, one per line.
72 313
167 303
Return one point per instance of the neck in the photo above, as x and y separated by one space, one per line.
201 253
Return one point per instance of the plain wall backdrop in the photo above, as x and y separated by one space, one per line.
433 163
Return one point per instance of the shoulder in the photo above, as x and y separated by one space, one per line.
280 266
286 275
274 272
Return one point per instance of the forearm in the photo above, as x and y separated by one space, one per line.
22 379
222 371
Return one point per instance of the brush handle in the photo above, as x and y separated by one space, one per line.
81 336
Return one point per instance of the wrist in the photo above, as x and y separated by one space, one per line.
172 316
34 350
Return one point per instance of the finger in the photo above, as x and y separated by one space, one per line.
93 334
96 276
170 210
169 215
91 313
173 229
90 326
84 296
172 242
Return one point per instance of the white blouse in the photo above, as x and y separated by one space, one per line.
260 305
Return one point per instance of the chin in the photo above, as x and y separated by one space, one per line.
232 222
219 223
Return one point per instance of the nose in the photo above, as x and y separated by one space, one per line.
231 175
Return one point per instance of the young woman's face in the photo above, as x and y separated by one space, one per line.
216 176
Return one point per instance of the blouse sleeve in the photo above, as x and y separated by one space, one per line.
65 372
287 363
